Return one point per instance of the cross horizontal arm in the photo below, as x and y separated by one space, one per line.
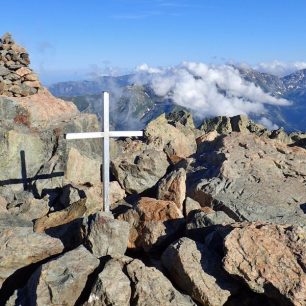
88 135
125 133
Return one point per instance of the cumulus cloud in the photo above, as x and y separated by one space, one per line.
207 90
268 123
279 68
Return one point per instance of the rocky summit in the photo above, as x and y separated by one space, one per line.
210 216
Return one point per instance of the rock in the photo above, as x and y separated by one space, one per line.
81 169
105 235
94 195
31 77
281 136
173 187
241 171
30 209
158 210
23 71
19 155
151 287
20 246
40 110
240 123
137 172
71 213
61 280
38 164
221 125
210 136
3 204
172 140
190 205
35 84
201 219
271 259
116 193
181 117
112 287
4 71
153 224
197 270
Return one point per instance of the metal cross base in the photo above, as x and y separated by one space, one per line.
106 134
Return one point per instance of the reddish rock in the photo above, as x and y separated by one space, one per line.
72 212
157 210
271 259
197 270
43 107
23 71
152 223
173 187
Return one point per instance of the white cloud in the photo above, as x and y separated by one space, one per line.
280 68
268 124
146 68
207 90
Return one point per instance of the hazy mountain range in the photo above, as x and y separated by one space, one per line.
136 104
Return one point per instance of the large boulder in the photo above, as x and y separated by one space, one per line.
197 270
173 140
38 164
241 171
153 223
20 246
152 288
201 219
128 281
20 160
111 288
81 169
59 281
140 170
36 111
105 236
270 259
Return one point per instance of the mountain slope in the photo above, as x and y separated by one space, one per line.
135 105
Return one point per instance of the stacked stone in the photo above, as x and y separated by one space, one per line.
16 78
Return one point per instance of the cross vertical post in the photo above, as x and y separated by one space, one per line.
106 151
106 134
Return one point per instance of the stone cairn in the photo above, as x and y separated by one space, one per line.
16 78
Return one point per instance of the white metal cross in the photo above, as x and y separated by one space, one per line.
106 134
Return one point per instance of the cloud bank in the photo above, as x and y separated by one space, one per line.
279 68
207 90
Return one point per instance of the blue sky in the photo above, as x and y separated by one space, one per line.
73 39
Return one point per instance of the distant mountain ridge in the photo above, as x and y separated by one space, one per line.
89 87
138 104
